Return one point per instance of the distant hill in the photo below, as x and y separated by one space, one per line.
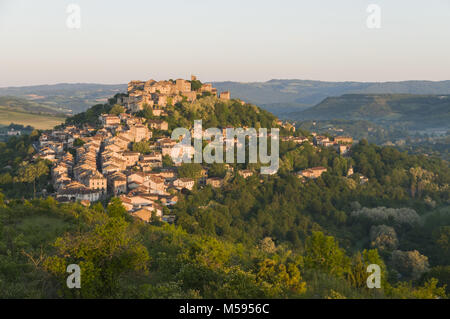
285 96
19 104
65 98
277 96
415 111
25 112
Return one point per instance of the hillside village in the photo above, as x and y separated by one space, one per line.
91 163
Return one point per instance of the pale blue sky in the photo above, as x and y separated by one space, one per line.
246 40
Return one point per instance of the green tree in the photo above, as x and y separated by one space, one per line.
190 170
142 147
29 173
78 142
405 290
117 109
217 170
167 161
323 253
147 112
196 85
358 274
284 279
115 208
411 264
105 254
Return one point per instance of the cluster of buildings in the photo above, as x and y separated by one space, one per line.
296 139
90 163
73 176
342 144
159 94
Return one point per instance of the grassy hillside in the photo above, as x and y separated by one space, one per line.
65 98
37 121
21 111
18 104
415 111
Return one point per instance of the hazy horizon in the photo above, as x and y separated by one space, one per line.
213 81
251 41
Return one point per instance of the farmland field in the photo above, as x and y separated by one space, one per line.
38 121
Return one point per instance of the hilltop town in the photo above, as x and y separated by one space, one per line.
159 94
91 163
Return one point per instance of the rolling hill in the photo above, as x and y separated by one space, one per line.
280 97
65 98
284 96
18 104
25 112
413 111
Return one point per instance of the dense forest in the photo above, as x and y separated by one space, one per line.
262 237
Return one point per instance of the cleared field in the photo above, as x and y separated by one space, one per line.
42 122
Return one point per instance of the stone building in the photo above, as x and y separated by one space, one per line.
183 85
225 95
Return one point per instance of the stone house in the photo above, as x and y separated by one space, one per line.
215 182
136 177
155 156
206 87
156 183
146 212
183 85
95 180
158 125
109 120
181 183
313 172
321 140
191 96
140 132
245 173
131 158
343 139
117 183
225 95
77 191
